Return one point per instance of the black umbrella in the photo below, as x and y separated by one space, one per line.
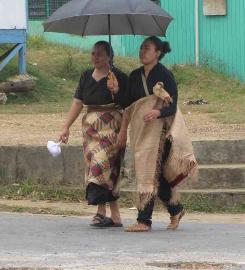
109 17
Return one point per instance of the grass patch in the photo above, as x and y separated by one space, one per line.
29 190
211 204
195 202
36 42
225 95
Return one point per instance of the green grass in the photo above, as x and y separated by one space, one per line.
226 96
30 190
210 204
58 68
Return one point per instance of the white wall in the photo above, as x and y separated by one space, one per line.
13 14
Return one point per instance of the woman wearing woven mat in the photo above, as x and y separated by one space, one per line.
100 94
163 153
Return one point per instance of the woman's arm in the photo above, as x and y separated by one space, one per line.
171 87
74 112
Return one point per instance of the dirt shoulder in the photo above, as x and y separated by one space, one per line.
37 129
82 209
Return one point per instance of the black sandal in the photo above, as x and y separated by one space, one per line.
104 222
99 218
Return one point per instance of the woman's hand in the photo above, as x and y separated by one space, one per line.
64 136
122 139
152 115
112 83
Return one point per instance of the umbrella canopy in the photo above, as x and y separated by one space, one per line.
113 17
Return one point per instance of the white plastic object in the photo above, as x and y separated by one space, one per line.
54 148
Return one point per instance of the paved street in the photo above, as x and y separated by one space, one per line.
69 243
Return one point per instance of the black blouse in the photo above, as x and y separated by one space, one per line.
92 92
159 73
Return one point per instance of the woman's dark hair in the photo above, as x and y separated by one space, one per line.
162 46
108 49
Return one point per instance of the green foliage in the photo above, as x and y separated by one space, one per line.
36 42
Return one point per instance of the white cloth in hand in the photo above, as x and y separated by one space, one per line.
54 148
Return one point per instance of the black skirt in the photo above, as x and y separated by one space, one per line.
96 194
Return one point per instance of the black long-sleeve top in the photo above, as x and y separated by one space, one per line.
159 73
92 92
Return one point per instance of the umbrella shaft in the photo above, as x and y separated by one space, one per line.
109 27
109 31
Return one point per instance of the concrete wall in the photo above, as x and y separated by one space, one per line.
35 163
221 165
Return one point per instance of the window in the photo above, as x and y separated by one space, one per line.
214 7
37 9
42 9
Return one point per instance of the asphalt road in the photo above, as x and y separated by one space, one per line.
41 241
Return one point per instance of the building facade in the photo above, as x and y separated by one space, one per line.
210 32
